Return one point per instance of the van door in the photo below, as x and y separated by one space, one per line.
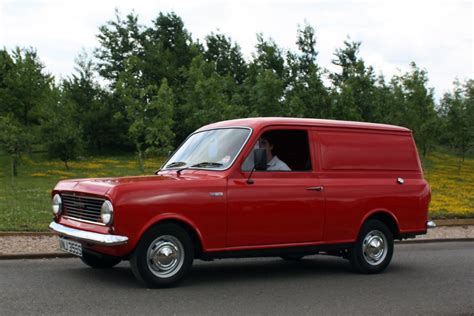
281 206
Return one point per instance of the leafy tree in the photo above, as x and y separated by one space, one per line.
269 56
93 108
62 136
266 96
6 67
415 106
264 88
143 105
306 95
119 39
457 110
353 87
226 56
208 98
25 89
14 139
160 135
168 51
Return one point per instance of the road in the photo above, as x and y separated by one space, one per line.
423 278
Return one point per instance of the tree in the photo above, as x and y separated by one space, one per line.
415 106
149 112
62 138
208 96
353 87
269 57
14 140
226 56
25 89
119 39
168 51
160 135
306 95
457 111
266 96
93 108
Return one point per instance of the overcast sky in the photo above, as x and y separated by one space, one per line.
437 35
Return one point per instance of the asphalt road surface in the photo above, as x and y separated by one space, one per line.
424 278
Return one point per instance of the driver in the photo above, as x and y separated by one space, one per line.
273 162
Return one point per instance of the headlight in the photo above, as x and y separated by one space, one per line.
57 204
107 212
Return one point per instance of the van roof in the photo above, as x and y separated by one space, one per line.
259 122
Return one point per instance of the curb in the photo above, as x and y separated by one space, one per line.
7 234
454 222
36 256
433 240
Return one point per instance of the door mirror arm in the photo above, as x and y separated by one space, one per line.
249 179
259 162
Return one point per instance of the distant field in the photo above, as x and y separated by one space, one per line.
25 201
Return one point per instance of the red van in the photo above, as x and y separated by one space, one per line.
253 187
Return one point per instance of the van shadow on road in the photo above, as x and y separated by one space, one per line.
229 271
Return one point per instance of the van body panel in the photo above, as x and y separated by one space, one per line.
360 172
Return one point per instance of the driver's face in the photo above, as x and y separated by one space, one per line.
263 143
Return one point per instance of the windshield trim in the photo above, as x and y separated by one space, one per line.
163 168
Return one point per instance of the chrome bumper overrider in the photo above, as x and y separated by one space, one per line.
90 237
430 224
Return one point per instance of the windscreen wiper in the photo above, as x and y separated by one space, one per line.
207 164
201 164
175 164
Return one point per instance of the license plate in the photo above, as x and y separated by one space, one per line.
70 246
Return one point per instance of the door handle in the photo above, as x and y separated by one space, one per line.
318 188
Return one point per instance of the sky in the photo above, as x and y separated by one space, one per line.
436 35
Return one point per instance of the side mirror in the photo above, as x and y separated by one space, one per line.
260 159
170 152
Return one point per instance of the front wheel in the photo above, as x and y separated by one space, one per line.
163 256
373 249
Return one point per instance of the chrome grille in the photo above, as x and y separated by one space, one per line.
82 208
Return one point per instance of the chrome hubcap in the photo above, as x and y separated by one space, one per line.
374 247
165 256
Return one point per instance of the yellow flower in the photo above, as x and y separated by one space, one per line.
38 174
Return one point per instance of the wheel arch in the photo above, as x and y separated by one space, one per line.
386 217
183 222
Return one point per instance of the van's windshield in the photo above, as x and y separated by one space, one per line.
211 149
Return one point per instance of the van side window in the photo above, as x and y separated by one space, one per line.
287 150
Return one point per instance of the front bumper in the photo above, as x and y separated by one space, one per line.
90 237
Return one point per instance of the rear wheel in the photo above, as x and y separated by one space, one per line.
99 261
163 256
373 250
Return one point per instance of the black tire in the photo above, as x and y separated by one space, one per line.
98 261
292 257
170 243
377 241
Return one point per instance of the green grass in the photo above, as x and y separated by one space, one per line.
25 200
452 186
